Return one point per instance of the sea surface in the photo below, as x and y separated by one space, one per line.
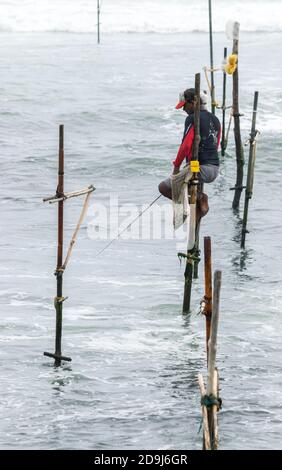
132 383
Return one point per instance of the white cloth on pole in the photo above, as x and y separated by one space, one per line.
180 201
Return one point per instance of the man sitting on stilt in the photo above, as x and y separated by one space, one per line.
210 131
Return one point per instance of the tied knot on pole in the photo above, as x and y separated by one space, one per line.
205 301
59 194
59 271
190 257
59 300
211 400
254 138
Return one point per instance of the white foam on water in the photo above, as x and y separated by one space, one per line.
162 16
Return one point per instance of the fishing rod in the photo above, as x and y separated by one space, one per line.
126 228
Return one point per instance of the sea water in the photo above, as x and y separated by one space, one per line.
132 383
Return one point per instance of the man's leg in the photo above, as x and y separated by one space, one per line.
202 205
208 173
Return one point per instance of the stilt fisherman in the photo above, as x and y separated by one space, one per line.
210 131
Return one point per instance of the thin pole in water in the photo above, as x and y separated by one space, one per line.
59 271
223 142
211 59
237 131
208 290
251 169
98 21
197 250
59 198
210 400
188 275
212 382
60 193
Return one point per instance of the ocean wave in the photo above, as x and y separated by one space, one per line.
136 16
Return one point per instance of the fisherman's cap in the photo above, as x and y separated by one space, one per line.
188 96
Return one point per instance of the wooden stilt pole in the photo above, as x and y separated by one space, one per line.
197 251
60 197
193 197
206 434
212 382
98 21
237 133
208 290
210 401
59 271
60 193
211 58
251 168
214 413
223 141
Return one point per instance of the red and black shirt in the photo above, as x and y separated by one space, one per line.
210 131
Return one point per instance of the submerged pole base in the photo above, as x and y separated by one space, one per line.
187 291
57 357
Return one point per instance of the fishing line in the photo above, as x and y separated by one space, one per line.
126 228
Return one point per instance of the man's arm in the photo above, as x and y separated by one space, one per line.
175 170
185 149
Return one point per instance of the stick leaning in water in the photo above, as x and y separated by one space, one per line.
128 226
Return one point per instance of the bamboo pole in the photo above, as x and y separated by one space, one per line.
188 274
223 141
206 434
237 132
197 250
212 385
211 59
208 290
81 192
59 272
98 21
60 197
193 196
60 194
214 414
74 237
214 329
251 168
197 137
